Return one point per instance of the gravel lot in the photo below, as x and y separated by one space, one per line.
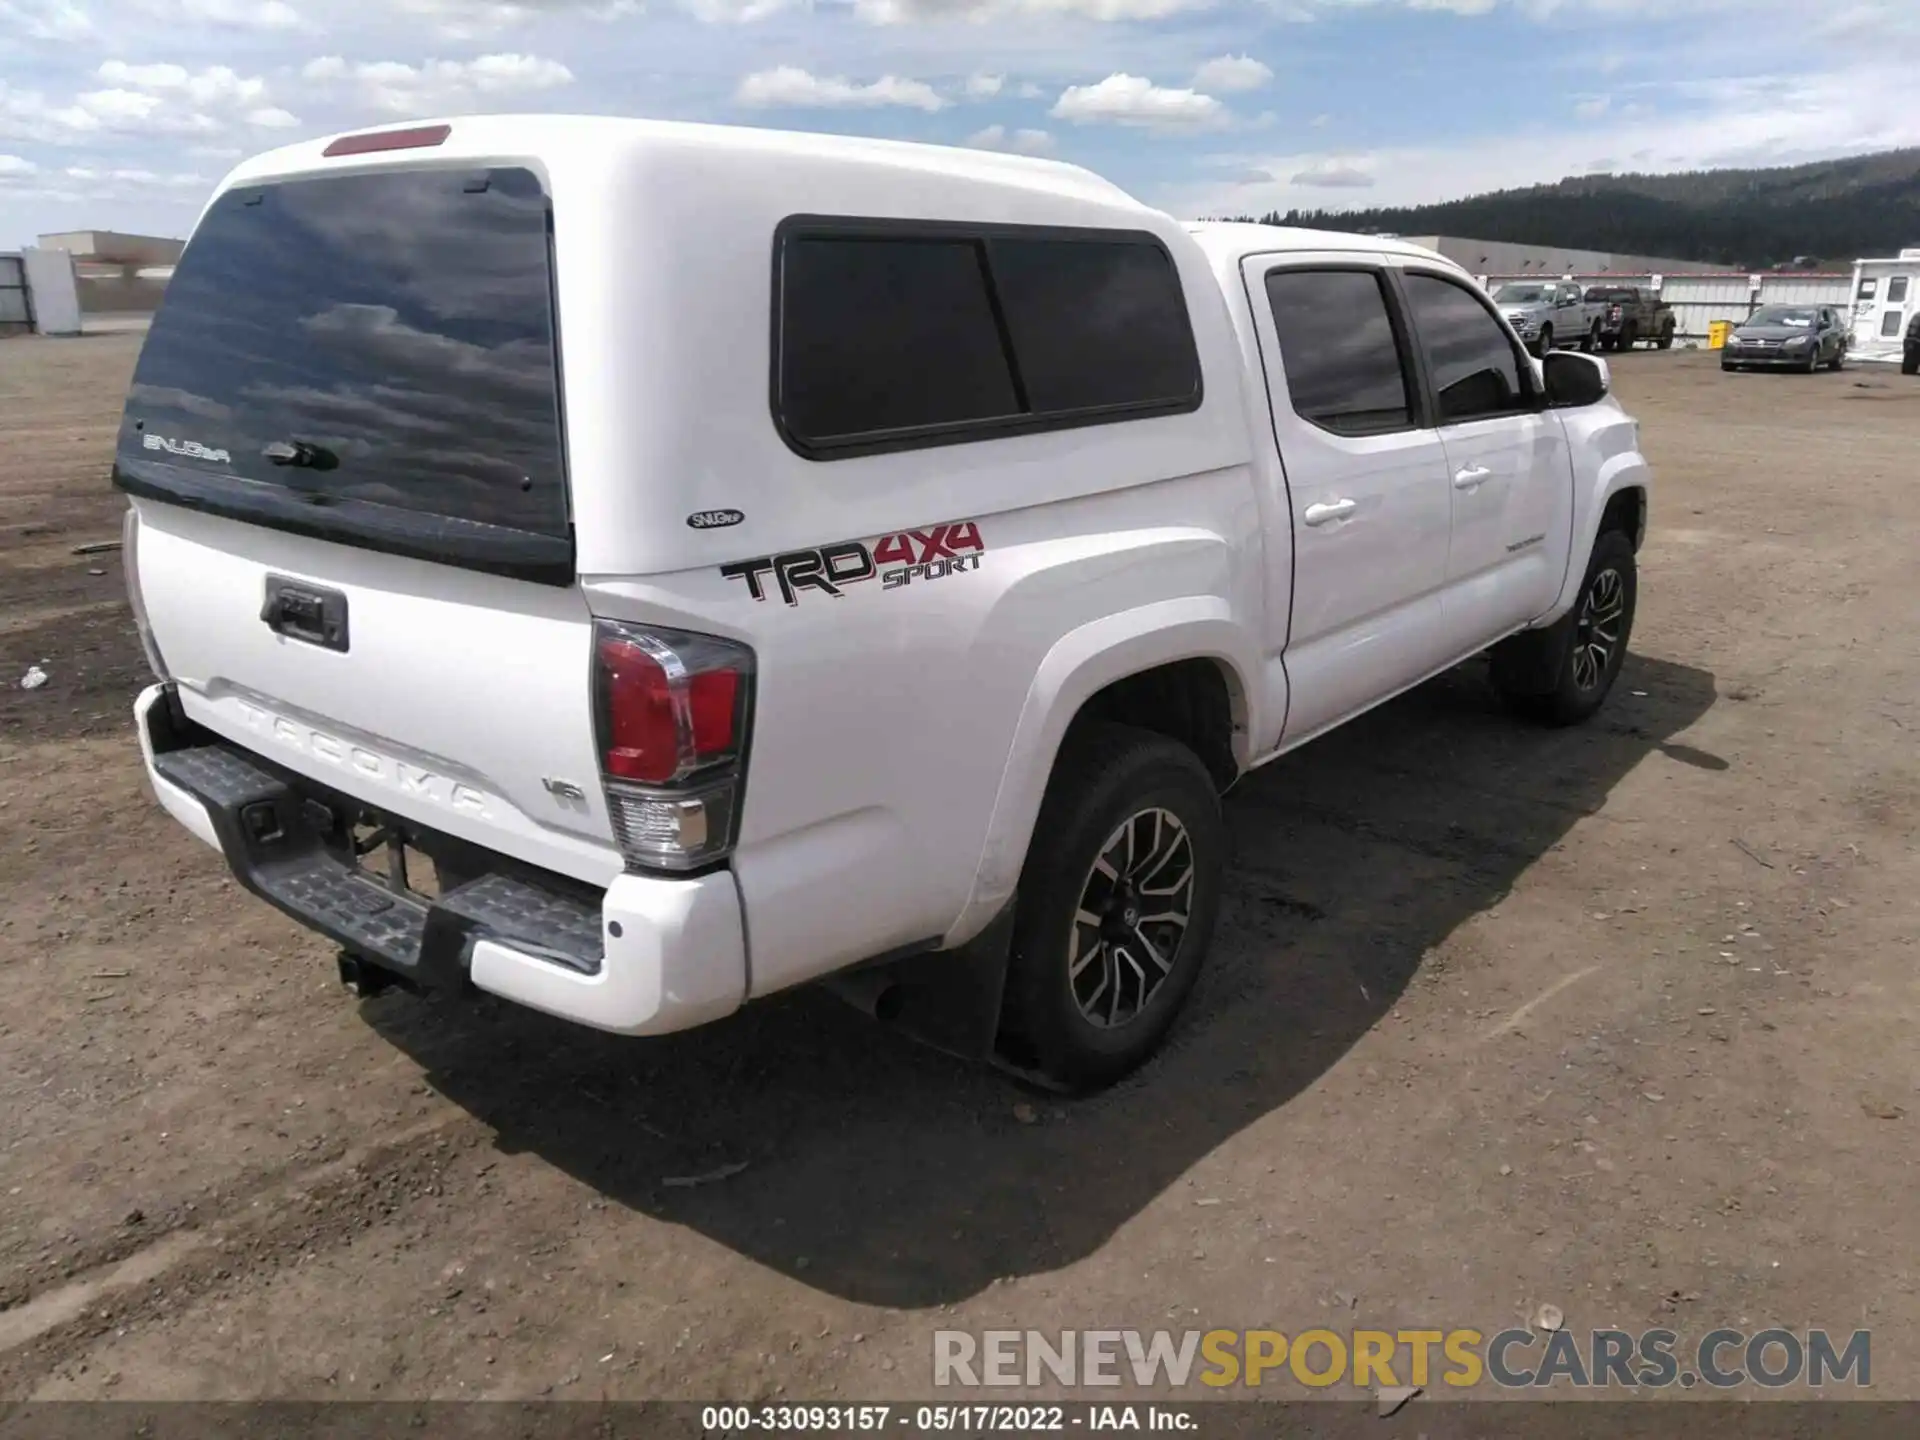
1620 1019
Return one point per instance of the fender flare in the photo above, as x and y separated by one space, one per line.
1618 473
1080 664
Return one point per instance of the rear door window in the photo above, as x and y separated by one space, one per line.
369 358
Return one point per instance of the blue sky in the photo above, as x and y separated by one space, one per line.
123 114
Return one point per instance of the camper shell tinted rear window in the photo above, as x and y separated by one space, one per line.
366 358
902 334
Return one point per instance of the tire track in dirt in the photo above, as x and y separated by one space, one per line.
255 1232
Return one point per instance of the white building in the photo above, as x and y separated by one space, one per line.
1886 296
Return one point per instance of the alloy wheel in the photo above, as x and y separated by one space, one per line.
1596 634
1132 919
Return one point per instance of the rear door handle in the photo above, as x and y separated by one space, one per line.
1325 514
1472 477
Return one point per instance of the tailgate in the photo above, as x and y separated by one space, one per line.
458 699
355 547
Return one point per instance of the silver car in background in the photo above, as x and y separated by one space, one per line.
1788 337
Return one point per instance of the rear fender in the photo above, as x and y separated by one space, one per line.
1080 665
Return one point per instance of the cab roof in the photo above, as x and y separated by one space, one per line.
1233 240
737 154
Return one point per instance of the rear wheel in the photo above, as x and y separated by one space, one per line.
1116 909
1562 674
1593 341
1666 336
1910 363
1630 336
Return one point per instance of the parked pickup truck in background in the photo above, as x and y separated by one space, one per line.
1546 313
1629 315
878 579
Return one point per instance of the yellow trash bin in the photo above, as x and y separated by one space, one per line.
1717 334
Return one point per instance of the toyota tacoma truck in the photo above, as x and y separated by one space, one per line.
879 581
1629 315
1546 313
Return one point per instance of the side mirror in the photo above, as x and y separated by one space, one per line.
1574 380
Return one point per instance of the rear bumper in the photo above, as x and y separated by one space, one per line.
647 956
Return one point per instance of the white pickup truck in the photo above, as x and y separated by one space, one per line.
633 568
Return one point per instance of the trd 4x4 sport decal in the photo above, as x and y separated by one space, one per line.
898 559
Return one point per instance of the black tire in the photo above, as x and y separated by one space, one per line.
1593 341
1546 340
1552 675
1109 779
1813 361
1839 362
1910 365
1666 336
1630 336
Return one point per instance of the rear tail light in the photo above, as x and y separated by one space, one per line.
130 561
671 714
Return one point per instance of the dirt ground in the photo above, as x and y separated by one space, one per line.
1620 1019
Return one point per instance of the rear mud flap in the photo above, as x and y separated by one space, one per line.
948 1000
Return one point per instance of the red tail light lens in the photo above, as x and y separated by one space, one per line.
672 713
642 739
715 705
420 137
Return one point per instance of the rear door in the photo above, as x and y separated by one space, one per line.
1366 481
345 446
1509 468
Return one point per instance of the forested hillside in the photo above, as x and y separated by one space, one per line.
1835 210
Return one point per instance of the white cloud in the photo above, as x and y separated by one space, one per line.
157 99
1332 172
1131 100
1593 107
113 109
1231 74
984 87
241 14
45 20
394 87
733 12
134 176
216 85
790 87
16 167
897 12
1020 142
477 19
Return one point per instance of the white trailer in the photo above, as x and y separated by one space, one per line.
1886 295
